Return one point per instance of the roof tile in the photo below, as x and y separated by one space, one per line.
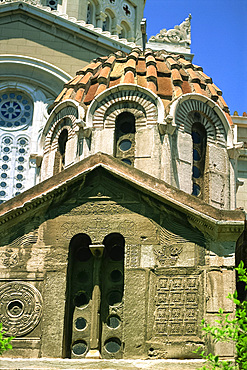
117 70
213 92
162 68
197 88
152 86
85 79
151 71
142 81
164 86
129 77
223 104
110 60
168 75
79 95
131 64
91 93
89 68
205 77
69 93
74 80
193 75
172 63
229 118
197 68
141 66
184 74
185 63
102 87
186 88
219 92
176 77
150 60
105 73
114 82
134 54
177 91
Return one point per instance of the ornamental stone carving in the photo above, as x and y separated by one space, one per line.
168 255
177 306
20 308
179 35
10 258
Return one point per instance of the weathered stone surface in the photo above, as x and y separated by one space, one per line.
144 303
25 364
53 317
219 284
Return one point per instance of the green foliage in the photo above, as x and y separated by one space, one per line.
227 330
4 342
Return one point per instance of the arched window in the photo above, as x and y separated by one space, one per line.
79 295
90 13
60 153
125 137
199 139
107 24
95 284
123 34
14 166
16 114
125 30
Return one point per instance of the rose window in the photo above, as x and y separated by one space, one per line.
16 110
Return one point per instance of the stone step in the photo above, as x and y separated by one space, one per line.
67 364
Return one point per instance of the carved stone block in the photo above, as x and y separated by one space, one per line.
177 307
20 308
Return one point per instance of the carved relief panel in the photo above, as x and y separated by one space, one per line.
20 308
175 311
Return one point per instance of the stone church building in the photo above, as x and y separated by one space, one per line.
119 172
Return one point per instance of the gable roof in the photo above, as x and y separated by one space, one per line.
204 216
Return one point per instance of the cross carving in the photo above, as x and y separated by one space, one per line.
126 9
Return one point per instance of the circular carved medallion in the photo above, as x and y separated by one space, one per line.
20 308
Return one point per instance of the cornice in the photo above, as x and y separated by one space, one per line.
56 18
210 220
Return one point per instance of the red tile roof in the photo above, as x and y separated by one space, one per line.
167 75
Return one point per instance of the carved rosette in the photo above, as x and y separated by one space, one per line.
20 308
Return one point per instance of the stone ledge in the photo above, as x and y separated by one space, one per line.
62 364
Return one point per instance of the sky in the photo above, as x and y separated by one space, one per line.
218 40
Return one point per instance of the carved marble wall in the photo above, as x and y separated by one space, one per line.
166 275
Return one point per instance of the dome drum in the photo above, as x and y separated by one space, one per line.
166 95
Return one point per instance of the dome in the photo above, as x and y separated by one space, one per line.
167 75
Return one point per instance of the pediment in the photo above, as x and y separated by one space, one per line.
106 180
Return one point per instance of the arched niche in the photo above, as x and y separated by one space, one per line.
105 106
188 111
125 31
63 116
94 297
